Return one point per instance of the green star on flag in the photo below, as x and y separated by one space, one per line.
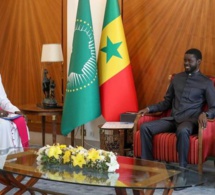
111 49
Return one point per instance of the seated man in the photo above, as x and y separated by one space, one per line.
186 95
13 129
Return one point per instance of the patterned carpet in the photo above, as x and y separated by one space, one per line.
71 189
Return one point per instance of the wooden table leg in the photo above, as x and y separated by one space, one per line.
138 192
54 131
15 182
11 182
120 191
122 142
5 181
43 129
72 137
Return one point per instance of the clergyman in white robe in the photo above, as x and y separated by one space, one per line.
9 135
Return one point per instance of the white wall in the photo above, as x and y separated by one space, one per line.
97 12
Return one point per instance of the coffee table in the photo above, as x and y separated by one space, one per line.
139 175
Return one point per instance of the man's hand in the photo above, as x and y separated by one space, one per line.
203 120
3 113
144 111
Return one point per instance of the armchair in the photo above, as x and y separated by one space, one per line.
202 145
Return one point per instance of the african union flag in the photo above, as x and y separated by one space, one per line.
117 90
82 102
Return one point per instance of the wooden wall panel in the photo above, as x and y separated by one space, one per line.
24 26
158 33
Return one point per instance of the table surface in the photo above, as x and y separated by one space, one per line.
133 173
31 108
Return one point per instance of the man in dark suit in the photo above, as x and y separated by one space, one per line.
186 95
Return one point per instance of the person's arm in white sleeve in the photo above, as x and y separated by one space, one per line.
5 103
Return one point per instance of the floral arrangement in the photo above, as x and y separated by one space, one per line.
77 157
79 176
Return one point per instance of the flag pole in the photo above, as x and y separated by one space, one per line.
121 8
82 135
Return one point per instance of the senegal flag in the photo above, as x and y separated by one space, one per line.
82 102
117 90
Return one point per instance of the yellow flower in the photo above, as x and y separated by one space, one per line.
54 151
79 177
66 157
80 148
78 160
54 176
93 155
67 176
62 146
73 150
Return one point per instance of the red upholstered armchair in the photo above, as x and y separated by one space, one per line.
202 145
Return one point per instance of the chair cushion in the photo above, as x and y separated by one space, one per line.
164 147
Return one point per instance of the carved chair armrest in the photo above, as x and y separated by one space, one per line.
206 138
145 118
136 122
141 119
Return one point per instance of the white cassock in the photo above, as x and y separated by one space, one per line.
9 136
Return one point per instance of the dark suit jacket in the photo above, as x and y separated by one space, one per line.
186 95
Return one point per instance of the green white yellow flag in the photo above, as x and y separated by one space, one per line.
82 102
